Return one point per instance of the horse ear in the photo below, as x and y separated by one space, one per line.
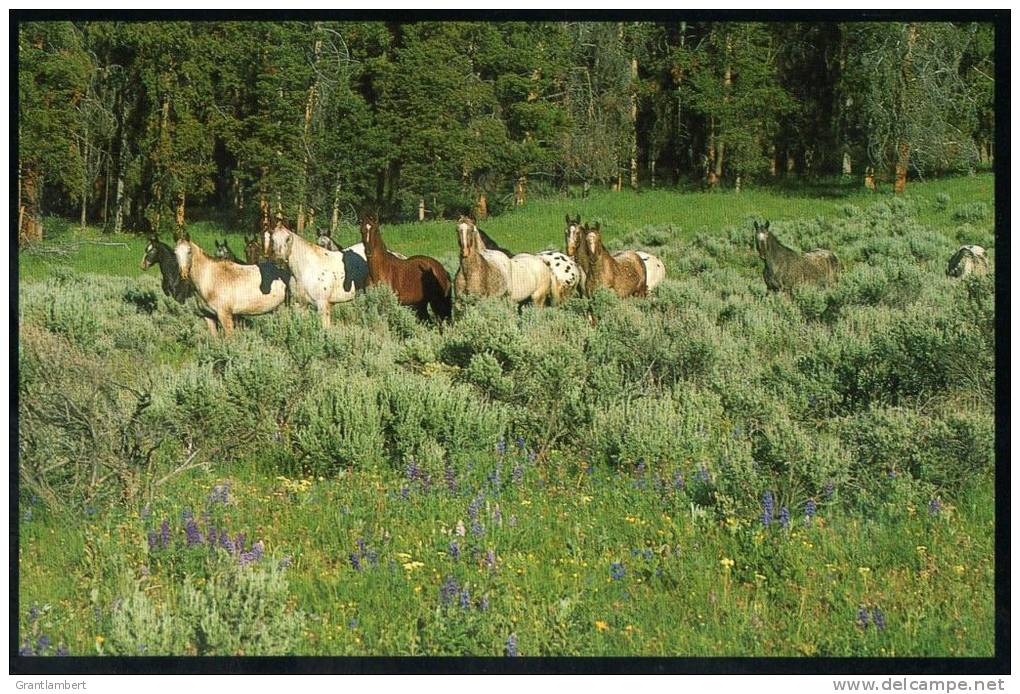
598 226
766 227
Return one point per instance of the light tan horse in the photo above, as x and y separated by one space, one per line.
492 273
226 289
623 272
321 277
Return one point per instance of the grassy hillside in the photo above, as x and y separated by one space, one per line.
712 470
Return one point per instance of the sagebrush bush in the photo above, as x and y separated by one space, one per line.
239 610
972 212
337 424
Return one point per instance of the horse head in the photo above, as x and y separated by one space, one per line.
369 232
761 237
593 238
572 234
183 251
252 250
276 244
326 241
151 256
466 235
222 252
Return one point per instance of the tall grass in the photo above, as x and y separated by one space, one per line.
713 470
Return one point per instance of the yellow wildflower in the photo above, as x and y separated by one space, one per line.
412 565
727 563
863 570
601 625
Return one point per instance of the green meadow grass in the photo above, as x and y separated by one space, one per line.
632 522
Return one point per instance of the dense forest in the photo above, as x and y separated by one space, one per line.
136 125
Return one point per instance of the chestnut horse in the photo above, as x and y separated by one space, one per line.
624 272
418 281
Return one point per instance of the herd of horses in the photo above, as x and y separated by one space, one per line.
286 265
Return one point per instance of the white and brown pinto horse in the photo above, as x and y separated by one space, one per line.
490 272
321 277
577 249
226 289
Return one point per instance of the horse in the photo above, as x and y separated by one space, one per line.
624 272
492 273
158 253
226 289
418 281
785 268
968 260
655 271
223 252
326 241
566 275
321 277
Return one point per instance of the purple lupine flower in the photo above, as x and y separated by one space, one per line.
33 613
360 542
768 504
412 471
704 475
495 479
42 644
617 571
501 446
164 533
27 515
647 553
935 507
355 561
404 492
372 556
483 604
497 515
810 508
454 550
784 517
194 535
640 468
220 494
448 590
474 507
511 646
25 649
878 618
186 514
465 599
678 481
829 489
90 510
153 540
520 442
862 617
257 550
353 623
477 528
490 559
62 650
450 476
286 562
517 474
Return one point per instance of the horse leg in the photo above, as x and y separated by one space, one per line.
227 321
442 306
210 323
421 309
324 313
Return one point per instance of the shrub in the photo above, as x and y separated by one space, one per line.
942 201
972 212
337 424
239 610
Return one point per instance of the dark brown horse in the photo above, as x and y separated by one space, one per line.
418 281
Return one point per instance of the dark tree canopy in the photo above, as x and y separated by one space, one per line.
133 125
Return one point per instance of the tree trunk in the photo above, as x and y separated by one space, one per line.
520 191
334 223
774 163
482 211
633 123
309 110
118 198
720 145
711 177
31 228
847 167
421 209
179 216
106 191
902 159
902 146
84 206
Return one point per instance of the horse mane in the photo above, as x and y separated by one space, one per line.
491 245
